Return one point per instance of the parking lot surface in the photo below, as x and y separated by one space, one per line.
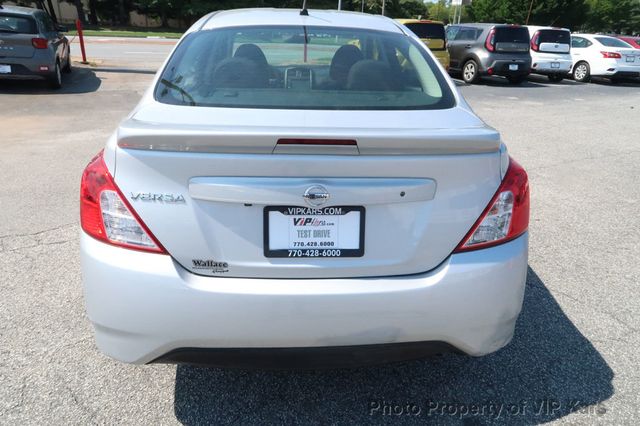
574 358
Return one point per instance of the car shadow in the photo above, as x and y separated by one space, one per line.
501 82
625 82
80 80
548 371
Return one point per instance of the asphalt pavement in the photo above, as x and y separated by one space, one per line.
574 358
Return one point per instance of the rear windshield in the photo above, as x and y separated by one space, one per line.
612 42
554 36
17 24
511 35
427 30
289 67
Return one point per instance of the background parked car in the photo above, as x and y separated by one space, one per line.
633 41
32 46
603 56
489 49
432 34
550 51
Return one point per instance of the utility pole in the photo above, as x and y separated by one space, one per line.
339 4
529 14
383 1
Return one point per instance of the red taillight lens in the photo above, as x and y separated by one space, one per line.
507 215
40 43
489 43
106 215
535 46
611 55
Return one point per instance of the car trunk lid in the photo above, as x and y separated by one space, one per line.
223 201
16 33
511 39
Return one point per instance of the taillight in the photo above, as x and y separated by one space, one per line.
535 46
40 43
106 215
489 43
507 215
611 55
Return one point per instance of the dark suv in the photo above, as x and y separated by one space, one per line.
32 46
489 49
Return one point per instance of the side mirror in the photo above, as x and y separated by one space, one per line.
62 28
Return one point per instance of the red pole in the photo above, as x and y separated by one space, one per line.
79 28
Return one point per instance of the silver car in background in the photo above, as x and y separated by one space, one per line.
302 189
32 46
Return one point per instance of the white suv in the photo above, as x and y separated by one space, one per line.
302 187
550 52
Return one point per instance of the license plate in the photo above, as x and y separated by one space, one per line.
513 67
291 231
5 69
631 58
555 64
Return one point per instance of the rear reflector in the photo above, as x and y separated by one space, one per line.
340 142
40 43
106 215
506 216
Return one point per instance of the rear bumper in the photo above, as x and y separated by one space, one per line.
615 69
551 66
28 68
144 306
501 67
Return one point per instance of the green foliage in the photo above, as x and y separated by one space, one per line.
586 15
618 16
621 16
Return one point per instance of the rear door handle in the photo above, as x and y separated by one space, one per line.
468 46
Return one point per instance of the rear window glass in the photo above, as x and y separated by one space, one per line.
612 42
511 35
554 36
17 24
302 68
427 30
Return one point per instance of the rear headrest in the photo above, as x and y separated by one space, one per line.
370 75
252 52
239 73
342 61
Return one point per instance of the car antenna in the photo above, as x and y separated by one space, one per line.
304 11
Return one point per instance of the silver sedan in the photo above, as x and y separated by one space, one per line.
302 187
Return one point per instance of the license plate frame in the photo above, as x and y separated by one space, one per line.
313 251
555 65
630 58
5 69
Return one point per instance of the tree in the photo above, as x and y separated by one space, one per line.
617 16
590 15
